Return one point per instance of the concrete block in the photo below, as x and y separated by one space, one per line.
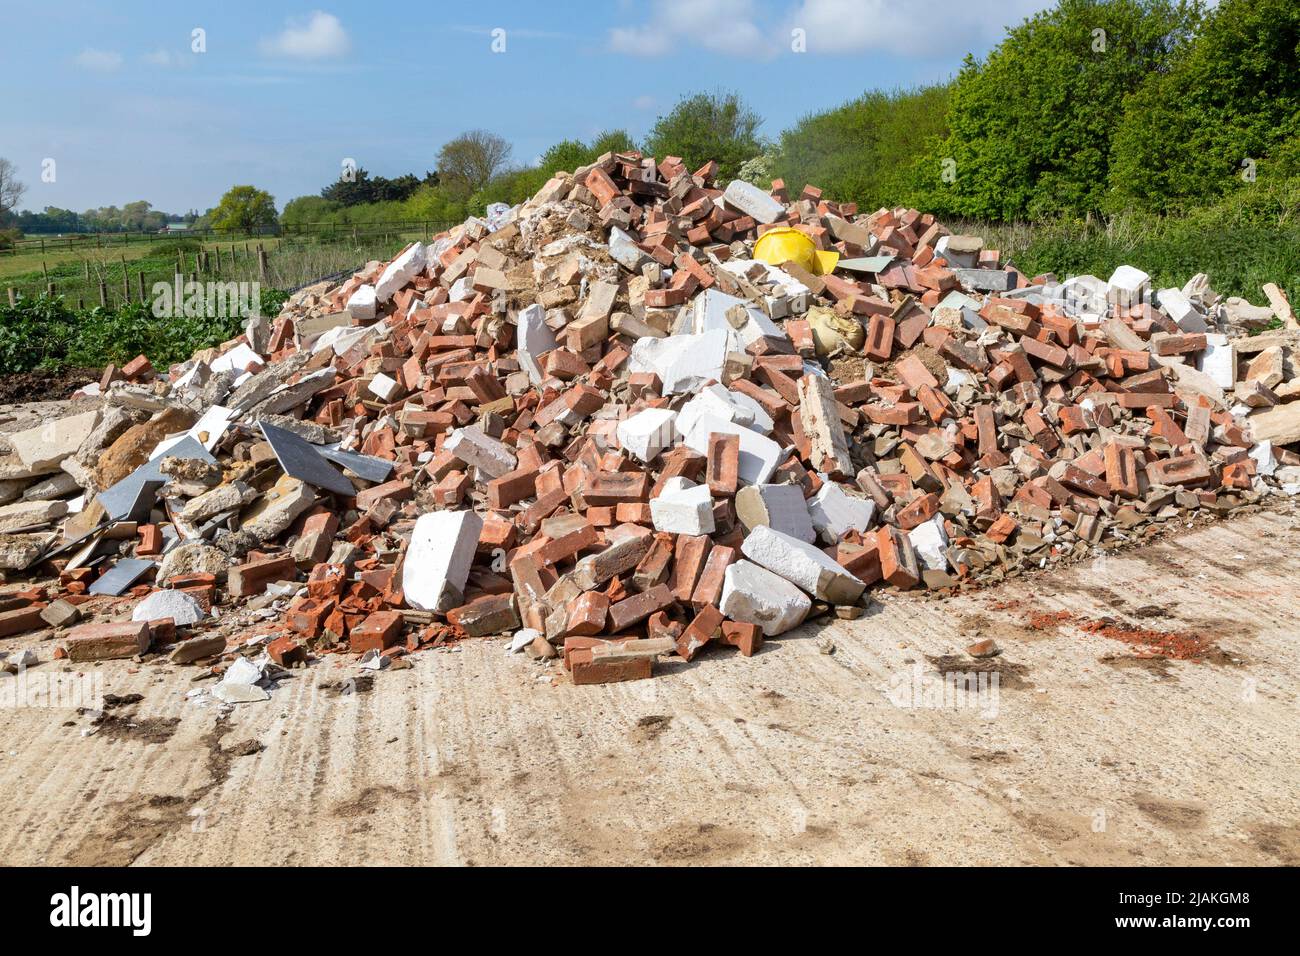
535 340
835 513
803 565
929 540
647 433
184 609
752 201
683 508
438 559
782 507
362 305
754 595
759 455
1179 308
490 457
400 271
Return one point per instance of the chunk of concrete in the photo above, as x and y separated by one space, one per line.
782 507
752 201
803 565
759 455
488 456
835 513
535 340
647 433
400 271
930 541
30 514
363 304
42 448
184 609
1180 308
683 508
754 595
439 558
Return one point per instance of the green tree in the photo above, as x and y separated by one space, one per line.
244 209
467 163
863 151
708 126
1231 97
1030 127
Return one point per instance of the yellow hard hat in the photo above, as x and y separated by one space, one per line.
784 244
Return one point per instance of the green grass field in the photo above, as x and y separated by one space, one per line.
77 273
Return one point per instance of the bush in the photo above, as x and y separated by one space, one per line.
863 151
708 126
1029 128
44 332
1232 96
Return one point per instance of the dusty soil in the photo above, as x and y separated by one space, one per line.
44 386
833 745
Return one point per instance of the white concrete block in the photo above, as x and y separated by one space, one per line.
759 455
752 201
1128 286
721 402
754 595
42 448
184 609
930 541
489 457
400 271
1180 308
362 305
647 433
438 559
803 565
684 363
683 508
835 512
535 340
1219 360
384 388
782 507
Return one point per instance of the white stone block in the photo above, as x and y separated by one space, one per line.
1180 308
1128 285
182 608
782 507
683 508
1219 360
385 388
752 201
400 271
647 433
438 559
803 565
759 455
535 340
930 541
754 595
489 457
835 512
362 305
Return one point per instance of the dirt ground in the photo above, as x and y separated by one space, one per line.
834 745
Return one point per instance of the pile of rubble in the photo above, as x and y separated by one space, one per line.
598 424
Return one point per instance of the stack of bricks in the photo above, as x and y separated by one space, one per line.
624 398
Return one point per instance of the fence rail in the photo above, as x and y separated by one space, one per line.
328 231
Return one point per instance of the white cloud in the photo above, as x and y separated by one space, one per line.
644 103
724 26
930 28
101 61
317 36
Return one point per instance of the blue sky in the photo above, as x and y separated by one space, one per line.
116 96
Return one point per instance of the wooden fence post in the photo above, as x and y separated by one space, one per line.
13 299
103 294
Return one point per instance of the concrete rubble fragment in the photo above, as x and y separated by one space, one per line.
596 425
